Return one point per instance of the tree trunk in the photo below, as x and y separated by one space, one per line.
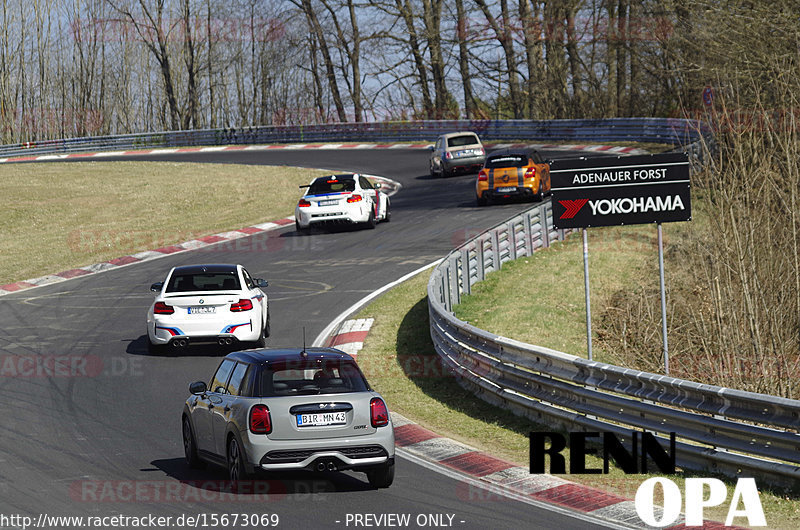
620 50
355 63
192 100
531 32
212 119
316 28
556 76
463 60
574 61
406 12
432 15
503 35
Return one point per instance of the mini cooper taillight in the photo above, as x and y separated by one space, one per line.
480 151
483 176
530 173
378 413
354 198
304 203
163 309
244 304
448 155
260 420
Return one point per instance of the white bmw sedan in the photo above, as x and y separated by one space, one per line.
342 199
219 304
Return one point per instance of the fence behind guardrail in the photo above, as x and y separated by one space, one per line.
676 132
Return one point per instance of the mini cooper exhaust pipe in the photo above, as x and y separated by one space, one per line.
321 466
331 466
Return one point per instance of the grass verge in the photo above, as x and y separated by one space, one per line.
400 362
61 216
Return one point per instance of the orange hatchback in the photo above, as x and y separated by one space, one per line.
511 174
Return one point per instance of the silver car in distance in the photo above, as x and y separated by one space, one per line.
289 409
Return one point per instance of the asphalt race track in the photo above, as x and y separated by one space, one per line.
101 435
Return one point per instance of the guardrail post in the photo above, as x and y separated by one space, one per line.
455 294
512 240
446 289
494 247
465 275
481 261
528 231
545 228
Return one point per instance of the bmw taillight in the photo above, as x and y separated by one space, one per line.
163 309
530 173
448 155
378 413
260 420
243 304
483 176
303 203
354 198
480 151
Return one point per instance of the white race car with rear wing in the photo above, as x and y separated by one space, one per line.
348 198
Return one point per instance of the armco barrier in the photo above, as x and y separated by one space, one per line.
676 132
717 429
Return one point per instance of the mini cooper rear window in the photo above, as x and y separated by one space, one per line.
331 185
217 281
464 139
507 161
310 377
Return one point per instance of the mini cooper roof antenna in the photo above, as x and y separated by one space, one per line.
304 353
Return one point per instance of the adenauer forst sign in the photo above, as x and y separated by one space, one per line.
621 190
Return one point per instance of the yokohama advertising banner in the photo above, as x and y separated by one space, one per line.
621 190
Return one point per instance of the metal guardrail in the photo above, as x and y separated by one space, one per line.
717 429
676 132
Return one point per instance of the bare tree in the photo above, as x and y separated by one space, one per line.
155 36
407 13
319 34
502 31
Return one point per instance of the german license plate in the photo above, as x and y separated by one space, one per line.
329 202
507 189
202 310
321 418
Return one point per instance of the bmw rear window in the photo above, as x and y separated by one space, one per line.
464 139
295 378
216 281
507 161
331 185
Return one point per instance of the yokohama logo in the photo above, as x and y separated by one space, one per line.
572 207
623 205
